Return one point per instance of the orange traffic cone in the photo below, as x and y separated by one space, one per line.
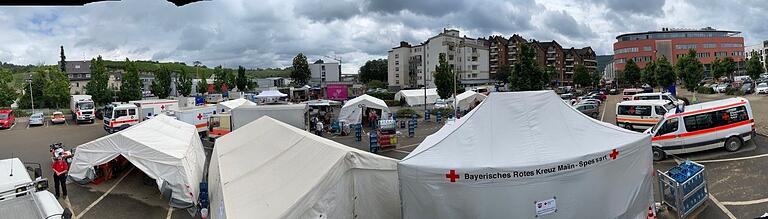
651 215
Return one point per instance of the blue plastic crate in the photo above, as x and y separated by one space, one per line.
697 197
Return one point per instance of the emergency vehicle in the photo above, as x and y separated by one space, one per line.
725 123
197 116
83 108
642 114
629 92
119 116
24 197
659 96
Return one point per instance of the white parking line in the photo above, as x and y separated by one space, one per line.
69 205
401 151
750 202
722 207
105 194
732 159
602 117
170 210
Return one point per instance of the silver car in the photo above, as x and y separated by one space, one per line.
36 119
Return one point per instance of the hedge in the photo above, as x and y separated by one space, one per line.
383 95
407 113
734 91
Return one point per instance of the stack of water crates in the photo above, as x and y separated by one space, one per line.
683 188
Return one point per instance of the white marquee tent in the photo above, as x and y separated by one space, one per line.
351 111
528 155
166 149
269 169
416 97
270 96
228 105
468 98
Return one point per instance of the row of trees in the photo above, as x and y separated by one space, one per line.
49 88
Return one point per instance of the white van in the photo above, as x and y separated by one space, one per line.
658 96
723 123
642 114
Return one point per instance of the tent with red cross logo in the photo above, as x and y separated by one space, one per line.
528 155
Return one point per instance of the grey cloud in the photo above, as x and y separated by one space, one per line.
564 24
326 11
434 8
645 7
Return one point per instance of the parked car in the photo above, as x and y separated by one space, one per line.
720 88
748 88
37 119
590 101
590 110
57 118
613 91
762 88
441 103
7 119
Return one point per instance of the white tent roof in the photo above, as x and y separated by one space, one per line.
271 94
466 99
351 111
166 149
231 104
269 169
416 97
517 149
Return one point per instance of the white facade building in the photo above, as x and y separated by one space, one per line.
321 72
414 66
761 50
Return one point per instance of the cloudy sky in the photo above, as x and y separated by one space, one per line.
268 33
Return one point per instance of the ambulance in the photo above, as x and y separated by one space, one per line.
642 114
197 116
119 116
727 123
629 92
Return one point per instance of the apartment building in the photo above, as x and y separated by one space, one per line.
761 50
414 66
322 72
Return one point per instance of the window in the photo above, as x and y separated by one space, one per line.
702 55
654 97
397 75
635 110
322 67
685 46
721 54
450 57
647 48
737 53
619 61
77 66
731 45
396 63
626 50
397 81
474 75
474 58
77 84
132 112
397 55
397 68
660 110
474 67
709 45
119 113
669 126
715 118
87 75
474 50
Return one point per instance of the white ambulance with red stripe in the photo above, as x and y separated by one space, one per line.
640 115
722 123
123 115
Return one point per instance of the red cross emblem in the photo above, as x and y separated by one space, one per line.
726 117
162 107
614 154
452 175
199 116
631 110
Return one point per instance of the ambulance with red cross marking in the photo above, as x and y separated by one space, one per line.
119 116
642 114
727 123
197 116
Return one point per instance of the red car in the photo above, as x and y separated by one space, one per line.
6 118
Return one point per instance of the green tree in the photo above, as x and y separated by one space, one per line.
63 61
595 78
648 75
220 78
130 88
526 75
728 65
717 69
581 76
57 91
231 79
242 80
375 70
184 83
665 74
202 86
39 82
7 92
631 72
300 73
373 84
754 67
161 86
444 78
690 70
503 73
98 87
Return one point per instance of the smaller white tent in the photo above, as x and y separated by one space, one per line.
228 105
416 97
166 149
468 99
352 111
269 169
270 96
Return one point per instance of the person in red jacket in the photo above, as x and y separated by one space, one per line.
60 169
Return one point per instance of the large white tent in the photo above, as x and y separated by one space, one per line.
228 105
166 149
353 113
467 99
416 97
269 169
528 155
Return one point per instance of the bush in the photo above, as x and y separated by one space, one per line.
444 111
21 113
383 95
393 102
734 91
407 113
705 90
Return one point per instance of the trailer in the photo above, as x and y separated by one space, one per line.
197 116
222 124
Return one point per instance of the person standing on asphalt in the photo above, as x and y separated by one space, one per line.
60 169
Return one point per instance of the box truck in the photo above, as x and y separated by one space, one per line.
83 108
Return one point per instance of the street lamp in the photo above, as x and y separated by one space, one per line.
362 113
30 93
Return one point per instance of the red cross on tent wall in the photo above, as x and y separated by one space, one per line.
614 154
452 176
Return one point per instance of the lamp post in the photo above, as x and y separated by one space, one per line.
30 94
362 113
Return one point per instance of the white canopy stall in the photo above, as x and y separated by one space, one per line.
468 99
528 155
269 169
270 96
416 97
228 105
166 149
353 113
